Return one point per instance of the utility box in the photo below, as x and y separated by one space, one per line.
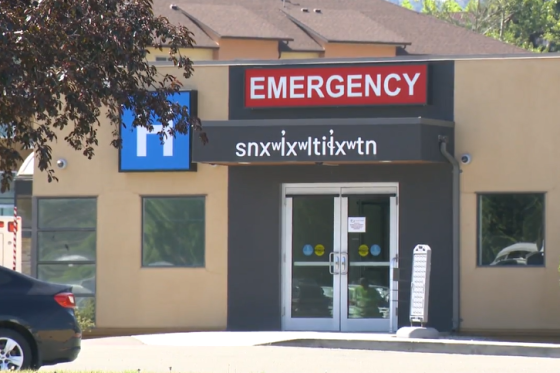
420 284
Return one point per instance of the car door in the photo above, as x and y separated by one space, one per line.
15 304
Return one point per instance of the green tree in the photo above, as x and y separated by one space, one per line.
529 24
62 61
407 4
441 9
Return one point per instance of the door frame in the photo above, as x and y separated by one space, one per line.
335 188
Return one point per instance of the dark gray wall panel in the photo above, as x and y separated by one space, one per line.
254 274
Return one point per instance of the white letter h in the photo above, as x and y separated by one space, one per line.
141 141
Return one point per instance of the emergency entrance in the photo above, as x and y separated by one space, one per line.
339 256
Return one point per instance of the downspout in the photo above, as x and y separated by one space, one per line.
456 196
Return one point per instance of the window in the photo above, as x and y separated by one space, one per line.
511 229
24 206
66 245
163 58
173 231
7 201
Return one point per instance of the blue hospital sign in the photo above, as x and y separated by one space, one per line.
143 151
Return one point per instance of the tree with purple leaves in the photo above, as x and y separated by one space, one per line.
66 63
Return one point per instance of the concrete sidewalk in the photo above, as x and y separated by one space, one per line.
350 341
448 345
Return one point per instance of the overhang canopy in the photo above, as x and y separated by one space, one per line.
323 140
27 167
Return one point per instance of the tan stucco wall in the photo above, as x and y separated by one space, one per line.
195 54
340 50
129 296
506 115
242 49
300 55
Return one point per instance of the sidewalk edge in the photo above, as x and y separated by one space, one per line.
425 347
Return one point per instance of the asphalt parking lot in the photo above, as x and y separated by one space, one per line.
130 354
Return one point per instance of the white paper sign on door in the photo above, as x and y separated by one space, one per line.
357 225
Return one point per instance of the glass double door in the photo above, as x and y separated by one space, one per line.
340 254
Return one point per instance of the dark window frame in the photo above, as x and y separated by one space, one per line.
36 262
17 198
168 196
72 262
479 196
5 200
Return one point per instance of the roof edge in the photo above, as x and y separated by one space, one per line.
305 27
216 46
203 26
472 32
342 41
333 41
406 58
328 121
255 38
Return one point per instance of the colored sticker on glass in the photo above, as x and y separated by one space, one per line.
319 250
375 250
307 250
363 250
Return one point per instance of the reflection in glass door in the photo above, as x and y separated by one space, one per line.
313 240
340 248
366 281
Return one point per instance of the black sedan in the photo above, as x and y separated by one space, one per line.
37 322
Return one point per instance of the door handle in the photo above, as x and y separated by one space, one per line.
344 263
333 263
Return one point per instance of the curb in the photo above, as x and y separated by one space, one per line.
432 346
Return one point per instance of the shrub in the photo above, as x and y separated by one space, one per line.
85 314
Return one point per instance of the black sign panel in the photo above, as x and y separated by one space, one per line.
286 142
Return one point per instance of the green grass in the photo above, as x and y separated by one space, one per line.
51 370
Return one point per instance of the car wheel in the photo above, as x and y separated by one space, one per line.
15 353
